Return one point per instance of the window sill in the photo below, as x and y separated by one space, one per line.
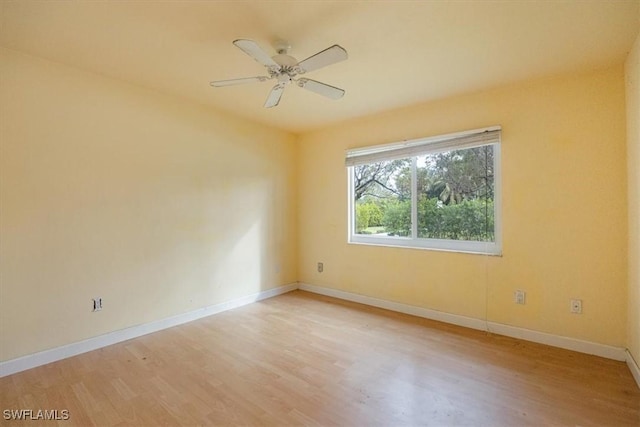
464 247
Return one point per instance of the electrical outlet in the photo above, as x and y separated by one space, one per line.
320 267
97 304
576 306
519 296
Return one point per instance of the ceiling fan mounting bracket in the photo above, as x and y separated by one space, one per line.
282 47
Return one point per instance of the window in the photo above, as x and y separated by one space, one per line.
436 193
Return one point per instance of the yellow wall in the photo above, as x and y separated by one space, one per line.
150 202
633 164
160 206
564 210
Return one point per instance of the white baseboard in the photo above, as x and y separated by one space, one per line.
633 367
581 346
467 322
602 350
37 359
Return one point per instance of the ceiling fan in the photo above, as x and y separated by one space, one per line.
284 69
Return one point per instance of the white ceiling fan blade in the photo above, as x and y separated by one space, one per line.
231 82
252 49
321 88
274 96
328 56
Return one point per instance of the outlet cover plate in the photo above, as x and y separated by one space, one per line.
576 306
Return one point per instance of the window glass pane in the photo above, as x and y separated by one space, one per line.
455 193
382 198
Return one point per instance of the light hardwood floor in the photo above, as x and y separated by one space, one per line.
304 359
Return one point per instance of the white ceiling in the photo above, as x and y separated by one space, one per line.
400 52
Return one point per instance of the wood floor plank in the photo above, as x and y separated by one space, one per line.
305 359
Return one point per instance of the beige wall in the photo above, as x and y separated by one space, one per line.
564 210
154 204
633 164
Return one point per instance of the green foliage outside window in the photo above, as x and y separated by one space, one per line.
468 220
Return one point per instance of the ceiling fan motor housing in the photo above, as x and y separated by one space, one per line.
285 60
288 68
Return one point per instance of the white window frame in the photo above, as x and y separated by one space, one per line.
412 149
